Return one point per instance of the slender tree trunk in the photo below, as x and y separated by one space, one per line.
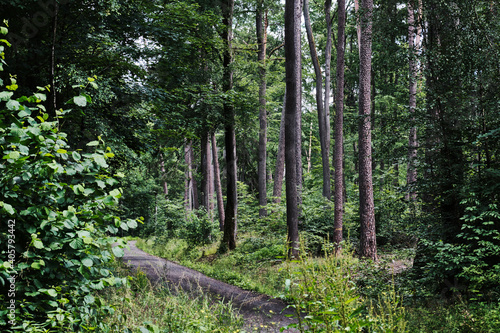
53 59
196 198
358 25
338 159
163 175
323 131
261 23
298 158
211 185
188 184
280 159
230 224
411 177
218 187
309 152
368 244
328 61
206 169
292 111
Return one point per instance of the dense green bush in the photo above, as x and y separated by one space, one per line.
56 219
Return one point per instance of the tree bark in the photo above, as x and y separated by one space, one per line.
411 176
230 222
280 159
218 187
188 184
206 170
163 175
292 111
324 140
338 158
368 244
53 59
328 61
261 25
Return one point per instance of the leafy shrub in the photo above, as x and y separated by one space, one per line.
55 220
198 229
326 292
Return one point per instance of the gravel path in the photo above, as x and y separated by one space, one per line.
257 310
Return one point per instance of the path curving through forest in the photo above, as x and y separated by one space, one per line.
257 310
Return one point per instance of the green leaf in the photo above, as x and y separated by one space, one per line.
99 159
41 97
89 299
51 292
87 262
76 244
24 113
13 105
132 224
37 243
116 193
80 100
8 208
5 95
118 252
93 143
76 156
13 155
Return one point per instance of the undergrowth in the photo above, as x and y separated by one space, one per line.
140 307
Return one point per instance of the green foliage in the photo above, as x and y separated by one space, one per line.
140 307
198 229
326 292
56 213
457 318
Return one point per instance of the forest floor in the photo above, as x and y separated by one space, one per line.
261 313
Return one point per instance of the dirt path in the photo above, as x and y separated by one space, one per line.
256 309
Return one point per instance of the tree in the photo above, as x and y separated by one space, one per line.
261 27
293 10
338 159
413 41
368 244
321 104
229 239
280 158
218 187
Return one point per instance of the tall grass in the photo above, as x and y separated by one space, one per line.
140 307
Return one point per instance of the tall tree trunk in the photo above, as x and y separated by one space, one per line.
309 152
53 59
218 187
230 224
338 159
358 25
328 62
280 158
292 111
188 184
163 175
261 24
324 140
368 244
196 199
411 176
206 171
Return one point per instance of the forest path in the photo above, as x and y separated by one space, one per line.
258 311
